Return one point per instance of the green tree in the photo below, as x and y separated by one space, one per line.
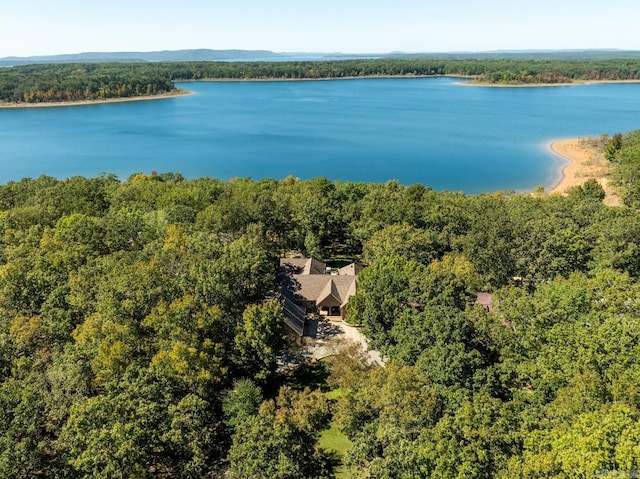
383 294
188 345
488 244
613 146
241 402
195 439
596 443
589 190
280 441
402 240
259 340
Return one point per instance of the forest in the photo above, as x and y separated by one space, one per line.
141 334
80 82
99 81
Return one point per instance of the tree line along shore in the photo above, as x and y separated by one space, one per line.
34 84
140 333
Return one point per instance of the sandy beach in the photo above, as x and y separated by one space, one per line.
585 161
53 104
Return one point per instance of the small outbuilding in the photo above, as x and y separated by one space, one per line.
484 300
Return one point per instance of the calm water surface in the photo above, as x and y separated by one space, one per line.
431 131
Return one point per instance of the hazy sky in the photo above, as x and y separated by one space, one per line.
43 27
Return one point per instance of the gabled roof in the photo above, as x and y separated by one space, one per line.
305 279
303 266
350 292
314 266
329 291
352 269
318 288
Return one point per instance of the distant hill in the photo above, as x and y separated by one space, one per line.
161 56
561 55
266 55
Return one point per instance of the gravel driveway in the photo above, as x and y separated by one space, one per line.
331 335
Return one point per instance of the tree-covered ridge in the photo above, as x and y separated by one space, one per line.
69 82
492 71
78 82
139 336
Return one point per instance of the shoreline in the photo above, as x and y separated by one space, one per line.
585 161
469 80
568 171
545 85
466 80
55 104
362 77
179 92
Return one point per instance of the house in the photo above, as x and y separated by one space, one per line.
312 286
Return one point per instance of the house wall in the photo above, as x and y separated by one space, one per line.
330 307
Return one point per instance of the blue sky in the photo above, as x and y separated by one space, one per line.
42 27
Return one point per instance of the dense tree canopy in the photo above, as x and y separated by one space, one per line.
139 335
99 81
624 152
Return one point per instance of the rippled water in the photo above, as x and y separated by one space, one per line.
432 131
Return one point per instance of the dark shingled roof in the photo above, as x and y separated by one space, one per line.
294 314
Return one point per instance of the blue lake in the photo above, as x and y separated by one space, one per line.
432 131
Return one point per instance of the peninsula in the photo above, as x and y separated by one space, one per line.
50 104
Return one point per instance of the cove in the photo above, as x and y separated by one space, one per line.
432 131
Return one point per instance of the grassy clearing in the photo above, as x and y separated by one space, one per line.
335 441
